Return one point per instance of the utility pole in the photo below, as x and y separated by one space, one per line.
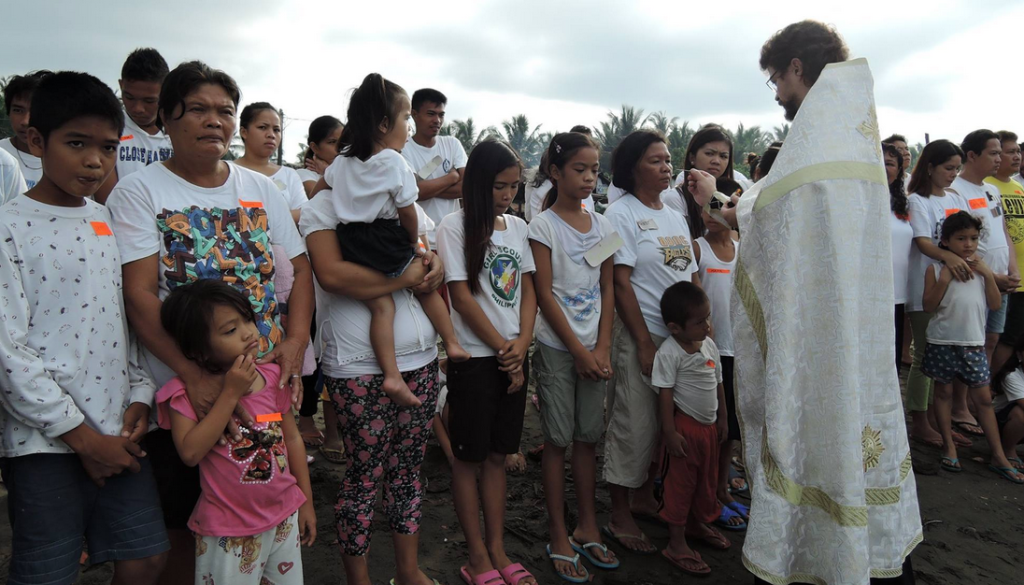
280 145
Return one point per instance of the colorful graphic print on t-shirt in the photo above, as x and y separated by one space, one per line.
259 452
677 251
231 245
503 267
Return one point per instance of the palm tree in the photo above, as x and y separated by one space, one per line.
781 132
617 127
662 123
523 139
746 140
466 133
679 136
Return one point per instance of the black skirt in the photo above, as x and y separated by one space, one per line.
382 245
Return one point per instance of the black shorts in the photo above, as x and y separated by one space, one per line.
1014 326
177 483
1003 415
483 417
382 245
730 397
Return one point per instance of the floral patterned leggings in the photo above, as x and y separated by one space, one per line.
384 443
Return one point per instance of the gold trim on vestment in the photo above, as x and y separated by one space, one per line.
846 170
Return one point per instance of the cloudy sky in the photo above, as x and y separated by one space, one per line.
943 66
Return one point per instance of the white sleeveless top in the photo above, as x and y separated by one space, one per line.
962 314
716 279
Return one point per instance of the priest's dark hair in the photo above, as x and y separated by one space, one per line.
816 45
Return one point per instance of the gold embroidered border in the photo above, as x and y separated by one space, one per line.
890 495
745 289
858 171
893 573
800 495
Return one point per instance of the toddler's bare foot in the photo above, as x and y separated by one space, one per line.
397 390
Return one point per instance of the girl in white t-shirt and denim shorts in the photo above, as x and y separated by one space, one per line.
956 339
572 358
374 198
488 269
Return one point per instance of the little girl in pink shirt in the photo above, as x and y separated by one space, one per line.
256 506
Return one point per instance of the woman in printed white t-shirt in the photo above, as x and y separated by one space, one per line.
929 204
657 253
489 269
195 217
259 125
902 238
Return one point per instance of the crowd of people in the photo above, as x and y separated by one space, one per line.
164 311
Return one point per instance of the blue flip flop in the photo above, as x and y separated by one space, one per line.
743 511
1008 473
575 562
583 550
728 514
951 464
733 474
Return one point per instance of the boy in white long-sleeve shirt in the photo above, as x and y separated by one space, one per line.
73 401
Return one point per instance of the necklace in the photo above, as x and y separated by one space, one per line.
21 159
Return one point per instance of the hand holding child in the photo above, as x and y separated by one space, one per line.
307 524
959 269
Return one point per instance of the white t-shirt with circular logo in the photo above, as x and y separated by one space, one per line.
508 258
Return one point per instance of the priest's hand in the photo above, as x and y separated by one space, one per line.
701 186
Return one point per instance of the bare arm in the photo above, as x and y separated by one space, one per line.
958 267
300 470
993 296
192 439
604 329
935 289
674 442
290 352
411 222
348 279
629 311
473 315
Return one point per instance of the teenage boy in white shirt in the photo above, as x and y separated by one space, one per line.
143 142
441 190
18 102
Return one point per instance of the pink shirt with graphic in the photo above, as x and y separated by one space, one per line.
247 487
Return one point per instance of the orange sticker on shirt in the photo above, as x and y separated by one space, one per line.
272 417
950 212
710 363
978 203
718 271
128 137
250 204
101 228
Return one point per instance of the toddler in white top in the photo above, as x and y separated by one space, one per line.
374 196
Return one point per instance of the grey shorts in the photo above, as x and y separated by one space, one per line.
54 507
571 408
997 319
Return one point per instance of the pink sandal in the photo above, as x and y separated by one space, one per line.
515 573
488 578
